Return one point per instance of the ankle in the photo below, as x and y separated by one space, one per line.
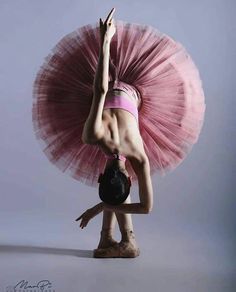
106 232
127 235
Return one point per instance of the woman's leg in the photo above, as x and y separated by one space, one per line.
108 225
124 221
128 244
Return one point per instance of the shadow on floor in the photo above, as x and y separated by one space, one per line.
46 250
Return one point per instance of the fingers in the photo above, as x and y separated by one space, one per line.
83 223
79 218
84 220
109 17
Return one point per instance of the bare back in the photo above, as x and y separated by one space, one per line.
121 134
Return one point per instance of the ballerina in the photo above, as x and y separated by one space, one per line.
116 131
143 114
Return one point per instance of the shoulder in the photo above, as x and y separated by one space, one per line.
93 138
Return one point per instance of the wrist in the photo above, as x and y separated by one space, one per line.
101 207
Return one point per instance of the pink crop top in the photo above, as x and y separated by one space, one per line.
121 101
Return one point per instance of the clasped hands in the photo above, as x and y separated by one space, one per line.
90 213
107 27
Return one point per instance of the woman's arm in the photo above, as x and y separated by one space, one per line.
145 194
142 170
93 128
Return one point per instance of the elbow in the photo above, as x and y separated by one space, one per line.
87 139
90 140
91 137
104 90
100 89
84 138
147 209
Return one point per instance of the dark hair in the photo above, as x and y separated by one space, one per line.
114 187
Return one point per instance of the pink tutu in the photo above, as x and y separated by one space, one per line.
159 68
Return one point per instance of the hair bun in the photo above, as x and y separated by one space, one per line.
114 187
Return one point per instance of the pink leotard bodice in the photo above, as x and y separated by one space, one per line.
122 100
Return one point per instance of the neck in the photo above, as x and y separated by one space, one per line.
120 164
115 162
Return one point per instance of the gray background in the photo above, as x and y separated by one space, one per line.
187 242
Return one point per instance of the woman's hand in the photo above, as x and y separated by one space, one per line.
89 214
107 28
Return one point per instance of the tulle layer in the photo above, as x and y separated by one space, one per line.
173 105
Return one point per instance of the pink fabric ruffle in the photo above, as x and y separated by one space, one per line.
153 64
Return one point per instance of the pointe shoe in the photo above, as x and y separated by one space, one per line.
128 250
128 246
124 250
119 250
108 252
106 242
106 239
